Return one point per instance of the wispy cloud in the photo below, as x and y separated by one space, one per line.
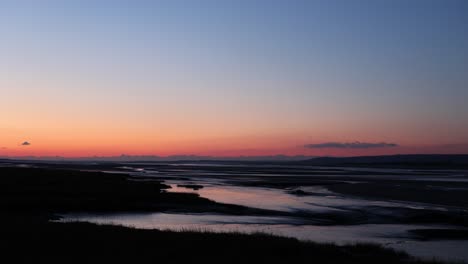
26 143
351 145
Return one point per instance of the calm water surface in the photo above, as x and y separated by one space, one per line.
321 200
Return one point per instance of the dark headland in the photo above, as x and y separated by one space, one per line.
451 161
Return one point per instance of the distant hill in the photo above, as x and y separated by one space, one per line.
404 160
152 158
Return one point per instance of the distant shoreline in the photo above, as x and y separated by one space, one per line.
458 161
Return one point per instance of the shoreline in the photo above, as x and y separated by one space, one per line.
33 196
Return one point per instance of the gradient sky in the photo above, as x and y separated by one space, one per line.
240 77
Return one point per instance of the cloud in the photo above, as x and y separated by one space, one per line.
26 143
351 145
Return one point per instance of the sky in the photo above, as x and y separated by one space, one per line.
227 78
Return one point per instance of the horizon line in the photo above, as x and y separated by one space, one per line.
190 157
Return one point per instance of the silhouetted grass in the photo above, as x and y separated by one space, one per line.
85 243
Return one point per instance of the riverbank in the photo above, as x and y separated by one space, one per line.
31 197
89 243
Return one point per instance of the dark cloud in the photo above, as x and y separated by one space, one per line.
351 145
26 143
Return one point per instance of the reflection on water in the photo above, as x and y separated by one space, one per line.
263 198
224 186
322 199
388 235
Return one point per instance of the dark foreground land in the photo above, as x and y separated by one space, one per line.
88 243
31 197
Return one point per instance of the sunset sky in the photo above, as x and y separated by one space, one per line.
229 78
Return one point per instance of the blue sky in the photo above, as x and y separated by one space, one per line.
296 72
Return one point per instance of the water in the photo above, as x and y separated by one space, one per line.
226 184
323 200
388 235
